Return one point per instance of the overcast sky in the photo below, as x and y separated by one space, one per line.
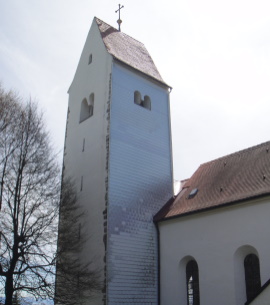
215 54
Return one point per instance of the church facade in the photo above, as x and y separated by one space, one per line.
151 247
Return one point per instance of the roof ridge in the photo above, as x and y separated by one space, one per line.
120 32
96 18
238 152
128 50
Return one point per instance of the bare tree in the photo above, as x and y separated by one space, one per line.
29 209
29 196
8 109
76 281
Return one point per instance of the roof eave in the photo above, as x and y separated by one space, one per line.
143 73
227 204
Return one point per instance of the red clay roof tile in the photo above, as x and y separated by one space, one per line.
233 178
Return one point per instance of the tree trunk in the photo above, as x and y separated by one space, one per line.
9 289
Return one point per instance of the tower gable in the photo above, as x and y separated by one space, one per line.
94 57
128 50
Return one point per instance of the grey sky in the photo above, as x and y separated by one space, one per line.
215 55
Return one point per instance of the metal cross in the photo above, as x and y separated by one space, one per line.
119 21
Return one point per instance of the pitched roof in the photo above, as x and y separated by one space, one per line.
128 50
233 178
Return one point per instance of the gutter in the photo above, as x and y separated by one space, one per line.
228 204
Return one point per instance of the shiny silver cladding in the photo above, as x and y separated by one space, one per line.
140 182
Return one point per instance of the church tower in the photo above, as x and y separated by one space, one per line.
118 153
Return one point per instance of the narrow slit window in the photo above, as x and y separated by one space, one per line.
81 183
90 59
83 144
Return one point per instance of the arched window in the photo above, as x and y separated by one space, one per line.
87 109
137 98
252 275
192 283
147 102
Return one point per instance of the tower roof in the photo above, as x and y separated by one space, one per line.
128 50
234 178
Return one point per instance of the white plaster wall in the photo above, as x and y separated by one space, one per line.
218 240
90 163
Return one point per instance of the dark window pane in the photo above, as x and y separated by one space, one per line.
252 275
192 282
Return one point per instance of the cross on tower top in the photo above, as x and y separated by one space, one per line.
119 21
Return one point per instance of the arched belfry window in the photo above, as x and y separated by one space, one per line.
137 98
252 275
87 108
146 102
192 283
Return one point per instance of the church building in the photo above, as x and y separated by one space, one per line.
207 245
214 235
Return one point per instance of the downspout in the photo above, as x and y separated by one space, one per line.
158 257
